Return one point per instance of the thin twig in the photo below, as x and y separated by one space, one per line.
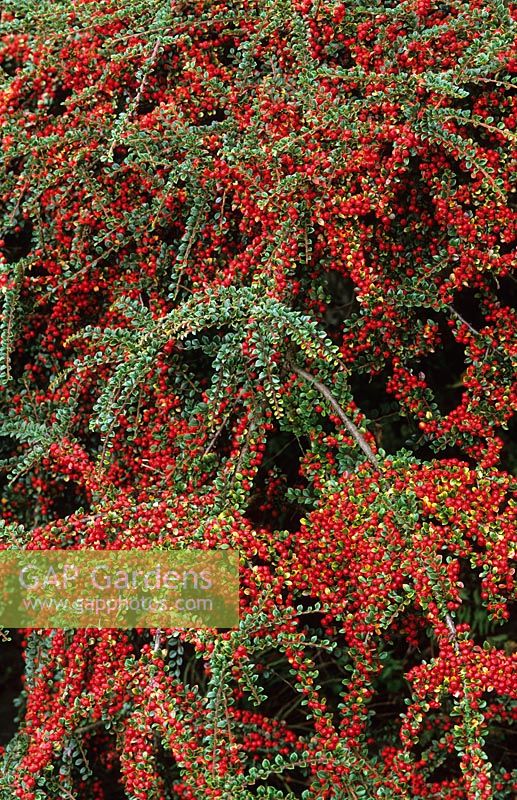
223 201
464 321
157 638
185 258
216 435
349 425
142 82
87 728
452 629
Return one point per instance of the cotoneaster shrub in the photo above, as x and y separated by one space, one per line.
258 292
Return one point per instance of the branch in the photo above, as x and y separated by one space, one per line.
352 429
452 630
87 728
464 321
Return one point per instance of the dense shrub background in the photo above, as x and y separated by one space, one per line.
258 291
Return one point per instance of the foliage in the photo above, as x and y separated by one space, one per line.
258 291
